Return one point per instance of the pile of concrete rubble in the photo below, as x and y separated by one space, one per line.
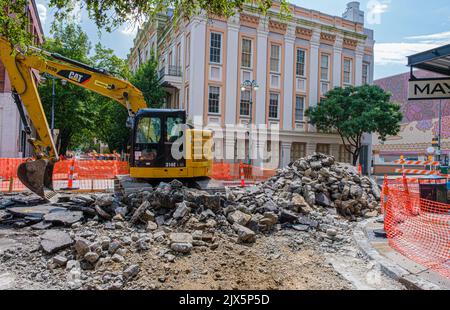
300 196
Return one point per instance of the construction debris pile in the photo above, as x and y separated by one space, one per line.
306 196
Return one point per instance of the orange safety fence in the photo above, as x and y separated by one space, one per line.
417 228
230 172
87 174
99 174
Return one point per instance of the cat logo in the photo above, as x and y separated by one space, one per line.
79 77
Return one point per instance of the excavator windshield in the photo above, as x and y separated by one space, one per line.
155 133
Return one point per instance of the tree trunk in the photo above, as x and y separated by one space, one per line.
355 156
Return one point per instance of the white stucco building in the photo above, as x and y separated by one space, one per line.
204 61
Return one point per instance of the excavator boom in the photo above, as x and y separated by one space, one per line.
23 71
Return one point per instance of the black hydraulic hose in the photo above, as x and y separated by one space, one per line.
19 105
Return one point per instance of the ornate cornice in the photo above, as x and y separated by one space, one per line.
303 33
350 43
327 38
277 27
249 20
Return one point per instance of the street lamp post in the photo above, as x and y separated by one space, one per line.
253 86
52 113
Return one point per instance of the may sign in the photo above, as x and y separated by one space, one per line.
429 89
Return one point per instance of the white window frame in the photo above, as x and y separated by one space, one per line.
250 54
302 109
272 58
219 48
297 63
278 106
188 50
322 68
349 72
218 99
249 103
365 73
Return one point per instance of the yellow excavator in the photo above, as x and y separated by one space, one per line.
162 145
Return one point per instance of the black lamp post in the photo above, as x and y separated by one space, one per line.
252 86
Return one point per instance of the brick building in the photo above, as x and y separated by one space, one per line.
12 136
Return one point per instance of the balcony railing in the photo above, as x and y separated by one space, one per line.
170 71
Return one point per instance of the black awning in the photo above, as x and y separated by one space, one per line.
436 60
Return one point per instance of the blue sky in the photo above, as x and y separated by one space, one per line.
401 27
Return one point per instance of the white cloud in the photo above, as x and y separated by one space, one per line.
129 29
396 53
42 11
435 38
375 9
75 14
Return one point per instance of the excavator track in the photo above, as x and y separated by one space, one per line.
125 185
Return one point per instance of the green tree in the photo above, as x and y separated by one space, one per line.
110 14
353 111
147 81
112 117
74 108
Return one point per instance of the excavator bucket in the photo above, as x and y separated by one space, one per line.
37 175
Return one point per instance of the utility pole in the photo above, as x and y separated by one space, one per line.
52 126
439 131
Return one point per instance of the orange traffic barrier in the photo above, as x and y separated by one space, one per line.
416 227
241 172
89 174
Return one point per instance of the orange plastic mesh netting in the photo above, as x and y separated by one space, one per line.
416 227
99 170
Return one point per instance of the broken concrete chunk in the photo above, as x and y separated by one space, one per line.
180 238
66 218
239 217
130 272
181 210
54 240
104 200
81 246
245 235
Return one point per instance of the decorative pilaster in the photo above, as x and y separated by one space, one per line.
232 68
337 61
261 70
288 90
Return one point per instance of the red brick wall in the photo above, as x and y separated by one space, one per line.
35 28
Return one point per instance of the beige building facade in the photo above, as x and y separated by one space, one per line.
205 61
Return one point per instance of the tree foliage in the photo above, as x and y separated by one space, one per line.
73 108
146 80
353 111
85 118
110 14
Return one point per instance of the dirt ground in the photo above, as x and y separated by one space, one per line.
285 260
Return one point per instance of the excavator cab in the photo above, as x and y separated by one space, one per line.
157 136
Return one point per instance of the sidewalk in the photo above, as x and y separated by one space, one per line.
394 264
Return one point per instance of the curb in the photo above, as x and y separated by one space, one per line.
392 270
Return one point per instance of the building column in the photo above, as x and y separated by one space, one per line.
288 91
310 148
314 85
359 64
182 95
285 154
232 69
261 70
337 61
197 67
